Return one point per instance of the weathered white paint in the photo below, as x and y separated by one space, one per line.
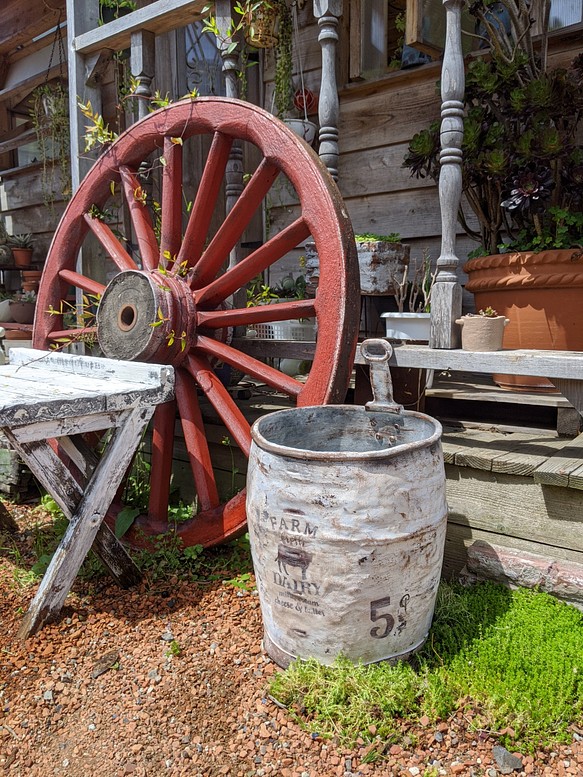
347 526
383 266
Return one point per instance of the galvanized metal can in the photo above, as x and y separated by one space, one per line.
347 512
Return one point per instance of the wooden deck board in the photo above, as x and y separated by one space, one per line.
564 468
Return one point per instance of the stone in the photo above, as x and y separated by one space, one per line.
507 763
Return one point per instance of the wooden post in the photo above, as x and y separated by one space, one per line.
328 13
81 17
446 297
234 170
143 67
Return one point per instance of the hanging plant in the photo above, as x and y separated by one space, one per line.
49 113
262 23
284 88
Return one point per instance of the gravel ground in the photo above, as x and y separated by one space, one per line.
101 692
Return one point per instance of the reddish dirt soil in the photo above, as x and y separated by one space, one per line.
201 713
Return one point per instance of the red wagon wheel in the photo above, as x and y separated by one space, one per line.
169 301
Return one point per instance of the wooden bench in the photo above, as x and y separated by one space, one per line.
47 401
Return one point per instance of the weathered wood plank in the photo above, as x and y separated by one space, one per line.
402 107
86 521
480 391
527 455
66 426
515 506
557 470
480 449
61 385
95 368
460 537
158 17
413 215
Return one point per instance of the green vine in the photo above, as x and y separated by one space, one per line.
49 114
284 90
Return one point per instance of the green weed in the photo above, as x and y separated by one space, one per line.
174 649
514 657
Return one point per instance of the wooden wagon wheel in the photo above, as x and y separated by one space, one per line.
177 311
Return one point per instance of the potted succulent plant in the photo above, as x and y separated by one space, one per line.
522 175
482 331
21 249
22 307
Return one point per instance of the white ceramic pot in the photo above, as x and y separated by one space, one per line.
5 314
303 128
408 326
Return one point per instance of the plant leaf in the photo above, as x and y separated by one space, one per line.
124 520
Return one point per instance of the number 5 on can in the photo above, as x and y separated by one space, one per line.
376 615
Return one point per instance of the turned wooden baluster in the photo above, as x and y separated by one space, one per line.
143 67
446 297
231 68
328 13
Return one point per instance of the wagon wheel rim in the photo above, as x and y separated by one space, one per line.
184 320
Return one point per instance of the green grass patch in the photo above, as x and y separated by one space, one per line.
167 558
514 658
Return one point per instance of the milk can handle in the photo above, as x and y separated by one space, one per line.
376 353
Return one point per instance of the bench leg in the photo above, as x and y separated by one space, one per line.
54 476
86 521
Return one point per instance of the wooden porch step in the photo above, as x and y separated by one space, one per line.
467 396
564 468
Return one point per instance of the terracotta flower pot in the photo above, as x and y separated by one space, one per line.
541 294
22 312
22 256
30 285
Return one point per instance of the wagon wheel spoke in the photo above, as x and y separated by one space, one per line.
234 224
70 335
195 440
171 229
239 275
82 282
111 244
141 217
161 463
217 319
205 201
221 400
250 366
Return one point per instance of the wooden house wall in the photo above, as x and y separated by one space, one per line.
23 195
377 121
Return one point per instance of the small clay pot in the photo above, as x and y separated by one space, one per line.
22 312
482 333
22 256
30 285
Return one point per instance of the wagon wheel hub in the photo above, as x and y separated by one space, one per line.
147 316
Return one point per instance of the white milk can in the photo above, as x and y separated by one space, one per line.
347 514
